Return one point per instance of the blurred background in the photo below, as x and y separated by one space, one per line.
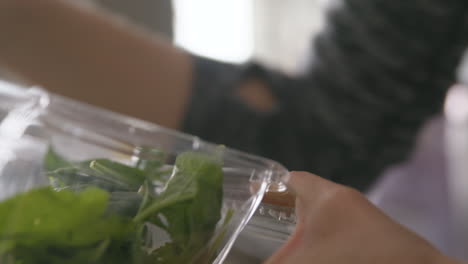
275 32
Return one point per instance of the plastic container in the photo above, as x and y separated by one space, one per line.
265 233
33 121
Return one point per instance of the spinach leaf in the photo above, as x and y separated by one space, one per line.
54 162
109 175
62 226
190 206
103 209
117 173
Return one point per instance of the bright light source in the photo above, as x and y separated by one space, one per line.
218 29
456 104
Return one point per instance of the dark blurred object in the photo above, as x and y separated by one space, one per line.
156 16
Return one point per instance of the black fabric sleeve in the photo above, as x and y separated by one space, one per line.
379 70
215 113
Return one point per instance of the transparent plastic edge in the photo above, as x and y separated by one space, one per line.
253 208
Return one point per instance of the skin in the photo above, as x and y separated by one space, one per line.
83 54
338 225
93 57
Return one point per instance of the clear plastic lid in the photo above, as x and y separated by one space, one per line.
172 198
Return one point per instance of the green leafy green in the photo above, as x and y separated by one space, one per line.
54 162
50 225
102 211
190 205
103 173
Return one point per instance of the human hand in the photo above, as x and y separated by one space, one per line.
337 224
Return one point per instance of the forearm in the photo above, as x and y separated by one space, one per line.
79 53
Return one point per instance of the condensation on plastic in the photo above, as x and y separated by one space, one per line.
32 120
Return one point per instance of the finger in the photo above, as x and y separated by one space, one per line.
318 195
309 186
